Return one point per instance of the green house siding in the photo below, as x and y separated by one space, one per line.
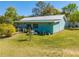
59 26
45 28
62 24
56 27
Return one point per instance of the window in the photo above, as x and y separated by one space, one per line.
28 25
35 25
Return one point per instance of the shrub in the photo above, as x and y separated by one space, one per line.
7 29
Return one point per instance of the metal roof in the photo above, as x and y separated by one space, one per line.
43 18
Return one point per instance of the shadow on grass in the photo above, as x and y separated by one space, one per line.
3 37
22 40
72 28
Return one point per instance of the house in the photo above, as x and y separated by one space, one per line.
42 24
73 25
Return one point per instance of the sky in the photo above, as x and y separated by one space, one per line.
25 7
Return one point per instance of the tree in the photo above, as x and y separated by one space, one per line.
74 17
2 19
50 10
30 33
43 9
39 8
19 17
69 9
10 14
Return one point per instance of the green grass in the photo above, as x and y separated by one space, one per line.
65 43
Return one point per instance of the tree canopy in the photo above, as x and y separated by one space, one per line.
43 9
10 13
70 8
74 17
2 19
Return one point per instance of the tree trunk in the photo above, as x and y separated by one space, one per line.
30 34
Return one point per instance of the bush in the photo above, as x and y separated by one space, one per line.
7 29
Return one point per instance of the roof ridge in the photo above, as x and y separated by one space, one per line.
47 16
43 18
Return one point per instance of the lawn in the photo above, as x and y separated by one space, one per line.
65 43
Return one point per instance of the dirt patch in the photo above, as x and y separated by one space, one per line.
70 52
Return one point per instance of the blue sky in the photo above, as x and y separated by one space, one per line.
25 7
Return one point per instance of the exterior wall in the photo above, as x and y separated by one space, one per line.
20 27
62 24
72 25
56 27
59 26
45 28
